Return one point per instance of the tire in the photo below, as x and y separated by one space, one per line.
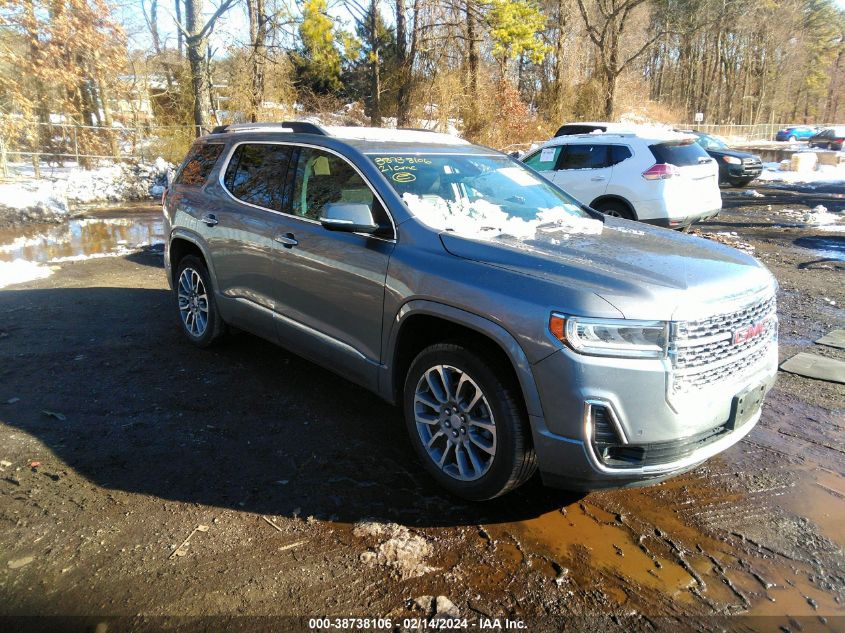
196 307
739 182
792 139
482 438
616 209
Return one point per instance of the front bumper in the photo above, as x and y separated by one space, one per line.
750 170
682 223
677 434
677 212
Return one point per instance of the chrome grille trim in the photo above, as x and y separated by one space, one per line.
702 352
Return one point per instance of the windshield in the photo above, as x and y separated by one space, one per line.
481 196
711 142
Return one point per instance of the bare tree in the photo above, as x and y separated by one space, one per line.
196 43
259 21
606 31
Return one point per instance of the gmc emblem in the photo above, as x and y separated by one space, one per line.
747 333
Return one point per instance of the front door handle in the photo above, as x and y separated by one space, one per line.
210 219
597 178
287 240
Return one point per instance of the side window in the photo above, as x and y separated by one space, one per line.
545 159
198 164
618 153
257 174
322 178
584 156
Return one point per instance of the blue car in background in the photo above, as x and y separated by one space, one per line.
795 133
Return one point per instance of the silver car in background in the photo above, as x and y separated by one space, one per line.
517 329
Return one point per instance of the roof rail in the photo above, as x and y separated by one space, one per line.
305 127
297 127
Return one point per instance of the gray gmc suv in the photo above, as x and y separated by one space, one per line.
517 328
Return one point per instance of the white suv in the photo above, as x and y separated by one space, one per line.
656 176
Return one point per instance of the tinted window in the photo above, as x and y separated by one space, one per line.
322 178
618 153
545 159
585 157
199 163
679 153
257 174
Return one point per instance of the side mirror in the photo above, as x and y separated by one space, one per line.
349 217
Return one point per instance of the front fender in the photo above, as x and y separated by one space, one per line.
493 331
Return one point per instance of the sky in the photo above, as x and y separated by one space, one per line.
231 28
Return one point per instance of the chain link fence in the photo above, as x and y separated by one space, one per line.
28 148
750 133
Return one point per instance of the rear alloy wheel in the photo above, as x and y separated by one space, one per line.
615 209
195 302
792 139
466 424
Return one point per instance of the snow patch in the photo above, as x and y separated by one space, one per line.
773 172
397 548
483 220
19 271
48 199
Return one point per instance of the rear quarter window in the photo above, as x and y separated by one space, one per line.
679 153
198 164
618 153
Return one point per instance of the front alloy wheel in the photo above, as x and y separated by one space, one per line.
455 423
467 422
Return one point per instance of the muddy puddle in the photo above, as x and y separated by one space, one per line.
117 231
702 545
828 247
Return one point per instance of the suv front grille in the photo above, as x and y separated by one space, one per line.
708 351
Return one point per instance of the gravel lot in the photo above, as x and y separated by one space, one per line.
140 477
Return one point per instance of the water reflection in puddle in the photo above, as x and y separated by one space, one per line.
81 238
829 247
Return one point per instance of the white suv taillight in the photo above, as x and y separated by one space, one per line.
661 171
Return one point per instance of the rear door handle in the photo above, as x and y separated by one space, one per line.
288 240
597 178
210 219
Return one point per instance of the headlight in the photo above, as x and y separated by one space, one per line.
611 337
732 160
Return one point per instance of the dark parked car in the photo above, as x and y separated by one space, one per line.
829 138
735 167
587 127
795 133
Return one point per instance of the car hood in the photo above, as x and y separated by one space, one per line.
718 153
645 272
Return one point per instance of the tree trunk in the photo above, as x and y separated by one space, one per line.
403 95
557 72
180 38
375 66
195 45
258 54
472 51
105 106
42 108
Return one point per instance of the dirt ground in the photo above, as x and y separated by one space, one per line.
142 478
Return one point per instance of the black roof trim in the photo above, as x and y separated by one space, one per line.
297 127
